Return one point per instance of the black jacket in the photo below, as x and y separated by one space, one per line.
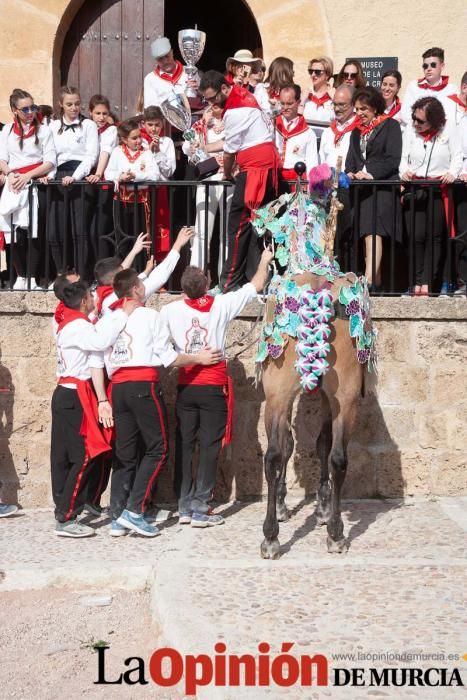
383 152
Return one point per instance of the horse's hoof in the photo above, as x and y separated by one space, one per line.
321 519
282 515
337 547
270 549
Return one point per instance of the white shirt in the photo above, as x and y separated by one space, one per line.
262 95
414 92
31 153
156 90
108 140
301 147
141 343
455 114
152 283
316 114
81 144
246 127
462 129
79 338
328 152
191 330
443 154
148 165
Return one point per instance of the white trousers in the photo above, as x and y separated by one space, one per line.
215 201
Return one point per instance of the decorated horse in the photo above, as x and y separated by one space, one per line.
317 335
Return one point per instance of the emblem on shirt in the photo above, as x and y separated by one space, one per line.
61 364
121 352
196 337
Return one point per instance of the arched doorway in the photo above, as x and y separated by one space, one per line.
107 47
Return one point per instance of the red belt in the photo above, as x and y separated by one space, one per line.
27 168
96 439
135 374
257 161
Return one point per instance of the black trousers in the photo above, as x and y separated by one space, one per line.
244 247
99 478
139 413
429 238
101 225
201 412
19 254
460 201
70 466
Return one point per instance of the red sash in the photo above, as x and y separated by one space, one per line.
170 77
102 292
319 101
257 161
27 168
97 439
422 83
396 107
135 374
339 134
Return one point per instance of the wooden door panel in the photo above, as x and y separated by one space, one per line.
89 53
153 27
111 53
132 54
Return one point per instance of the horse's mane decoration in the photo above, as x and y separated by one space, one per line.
299 224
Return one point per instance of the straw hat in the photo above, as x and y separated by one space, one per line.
241 56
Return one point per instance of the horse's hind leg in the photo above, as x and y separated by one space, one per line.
282 514
270 546
323 447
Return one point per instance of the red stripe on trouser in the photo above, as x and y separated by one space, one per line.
164 454
235 251
77 485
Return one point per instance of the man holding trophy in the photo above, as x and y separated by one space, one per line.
169 75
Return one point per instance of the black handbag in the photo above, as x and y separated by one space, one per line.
206 168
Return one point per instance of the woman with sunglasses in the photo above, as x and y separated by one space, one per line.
374 154
430 151
352 74
26 152
317 109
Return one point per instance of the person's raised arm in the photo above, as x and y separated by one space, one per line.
142 243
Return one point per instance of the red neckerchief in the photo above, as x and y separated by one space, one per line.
25 134
370 127
170 77
101 129
396 107
203 303
102 292
240 97
119 303
59 312
132 156
319 101
422 83
339 134
458 101
429 135
300 127
273 94
229 78
145 136
70 315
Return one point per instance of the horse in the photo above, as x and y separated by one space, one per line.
340 390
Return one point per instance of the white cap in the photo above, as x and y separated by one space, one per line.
160 47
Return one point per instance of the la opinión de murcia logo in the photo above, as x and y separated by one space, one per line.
167 668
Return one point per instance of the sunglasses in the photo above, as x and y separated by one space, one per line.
421 122
350 76
316 71
27 110
213 99
429 65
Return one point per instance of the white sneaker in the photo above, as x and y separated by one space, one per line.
20 285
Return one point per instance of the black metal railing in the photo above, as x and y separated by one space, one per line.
96 222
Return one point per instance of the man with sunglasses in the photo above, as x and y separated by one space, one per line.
248 142
433 84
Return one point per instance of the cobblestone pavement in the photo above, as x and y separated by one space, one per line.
400 588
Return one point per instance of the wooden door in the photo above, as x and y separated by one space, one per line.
107 50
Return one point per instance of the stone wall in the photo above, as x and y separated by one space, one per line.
32 34
409 439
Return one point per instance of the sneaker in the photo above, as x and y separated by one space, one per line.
7 510
157 515
446 290
20 285
95 509
205 520
137 523
117 530
184 518
72 528
461 291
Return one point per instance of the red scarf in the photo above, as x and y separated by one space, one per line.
101 129
102 292
300 127
396 107
240 97
429 135
422 83
25 134
170 77
458 101
370 127
70 315
203 303
319 101
59 312
339 134
132 156
119 303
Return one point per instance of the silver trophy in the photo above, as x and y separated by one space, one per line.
176 109
191 43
